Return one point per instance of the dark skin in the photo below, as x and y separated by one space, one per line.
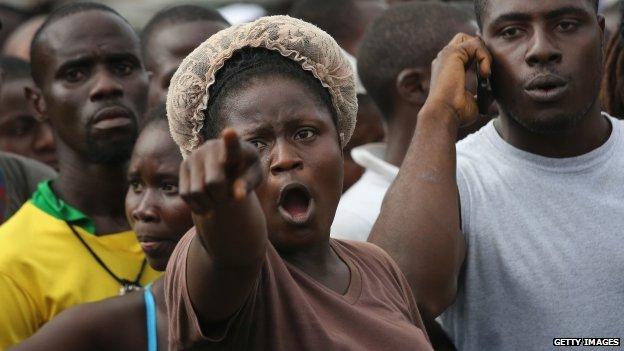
160 212
411 90
89 326
153 206
366 12
368 129
554 35
20 131
568 125
167 47
93 88
292 143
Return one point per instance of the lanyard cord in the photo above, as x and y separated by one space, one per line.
121 281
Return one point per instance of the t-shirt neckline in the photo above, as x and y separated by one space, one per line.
47 201
354 289
559 165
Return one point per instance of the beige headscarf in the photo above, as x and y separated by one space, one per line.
306 44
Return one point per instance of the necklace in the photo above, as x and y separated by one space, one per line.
126 285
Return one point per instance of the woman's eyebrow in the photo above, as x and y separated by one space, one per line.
257 129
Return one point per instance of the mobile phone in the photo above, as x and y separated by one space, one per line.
484 93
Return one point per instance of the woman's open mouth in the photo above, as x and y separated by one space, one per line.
296 205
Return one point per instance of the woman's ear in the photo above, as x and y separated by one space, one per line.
35 99
412 85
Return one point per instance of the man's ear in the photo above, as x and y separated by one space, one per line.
35 99
412 85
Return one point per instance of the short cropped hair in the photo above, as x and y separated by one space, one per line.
55 16
339 18
407 35
175 15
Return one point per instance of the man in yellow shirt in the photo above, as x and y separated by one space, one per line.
71 242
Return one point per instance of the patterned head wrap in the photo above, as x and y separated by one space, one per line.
302 42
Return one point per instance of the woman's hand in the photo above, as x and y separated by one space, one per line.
220 171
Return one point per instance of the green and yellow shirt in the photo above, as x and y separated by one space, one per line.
44 268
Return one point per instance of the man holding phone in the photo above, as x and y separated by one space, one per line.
518 229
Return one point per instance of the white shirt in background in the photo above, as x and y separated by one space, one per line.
360 205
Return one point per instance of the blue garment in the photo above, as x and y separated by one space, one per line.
150 311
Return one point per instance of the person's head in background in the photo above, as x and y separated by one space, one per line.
155 210
368 129
11 17
612 92
91 83
395 63
20 132
171 35
346 21
18 43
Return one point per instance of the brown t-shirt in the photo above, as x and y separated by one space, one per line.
288 310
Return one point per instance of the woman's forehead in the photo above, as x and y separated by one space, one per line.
156 142
274 95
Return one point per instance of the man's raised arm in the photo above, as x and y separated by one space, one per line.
419 223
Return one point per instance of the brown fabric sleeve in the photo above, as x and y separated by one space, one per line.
403 285
185 328
183 323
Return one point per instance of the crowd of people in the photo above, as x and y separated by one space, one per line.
333 175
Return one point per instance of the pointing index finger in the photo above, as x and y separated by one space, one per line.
232 147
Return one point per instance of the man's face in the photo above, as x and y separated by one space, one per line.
547 60
168 46
94 85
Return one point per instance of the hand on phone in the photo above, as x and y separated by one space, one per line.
484 93
448 78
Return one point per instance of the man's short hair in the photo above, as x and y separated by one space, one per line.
339 18
480 8
56 15
407 35
13 68
175 15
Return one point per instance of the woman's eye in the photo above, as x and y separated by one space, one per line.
170 189
258 144
136 186
305 134
123 69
